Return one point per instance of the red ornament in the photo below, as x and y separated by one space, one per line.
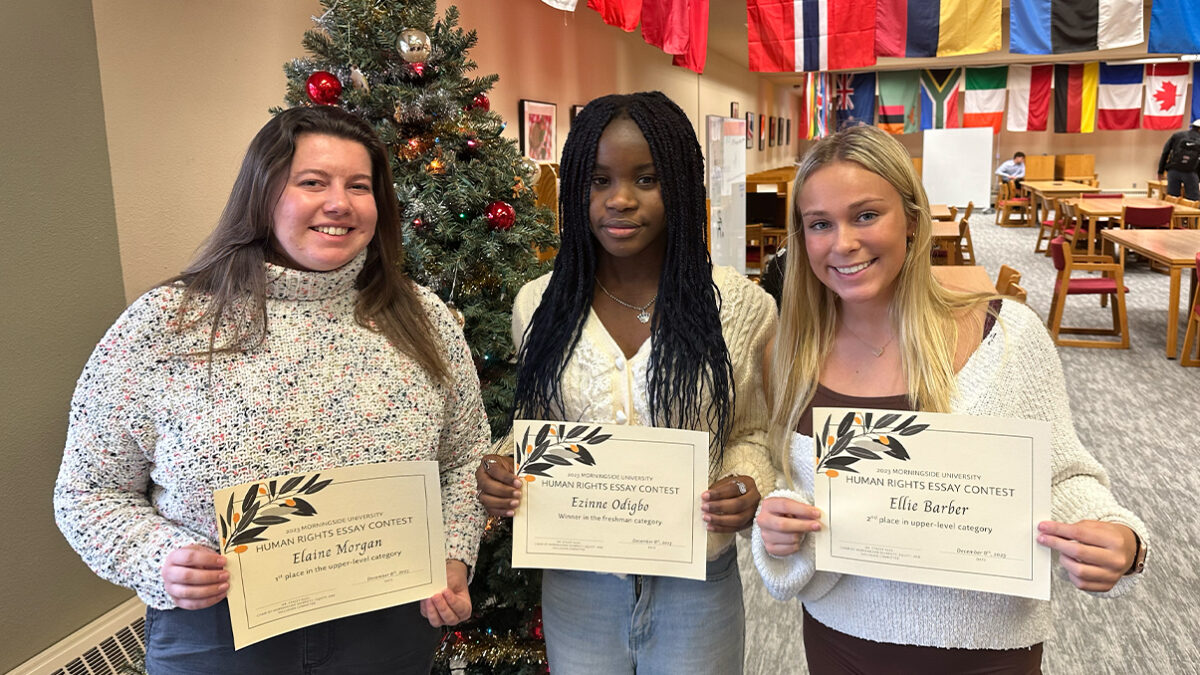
535 626
323 88
417 68
480 101
500 215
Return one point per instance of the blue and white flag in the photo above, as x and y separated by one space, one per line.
854 99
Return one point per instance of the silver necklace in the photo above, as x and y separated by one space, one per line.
877 352
643 311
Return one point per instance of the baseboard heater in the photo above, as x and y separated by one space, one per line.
105 646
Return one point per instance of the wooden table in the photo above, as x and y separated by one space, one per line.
1174 248
1044 190
945 236
969 278
1159 186
940 212
1092 210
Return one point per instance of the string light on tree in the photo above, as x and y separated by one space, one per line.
323 87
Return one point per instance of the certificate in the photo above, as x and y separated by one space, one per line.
610 498
928 498
307 548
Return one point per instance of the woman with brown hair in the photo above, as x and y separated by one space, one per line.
292 343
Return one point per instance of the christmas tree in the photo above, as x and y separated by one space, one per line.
471 230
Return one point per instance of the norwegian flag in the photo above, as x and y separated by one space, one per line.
855 99
1166 95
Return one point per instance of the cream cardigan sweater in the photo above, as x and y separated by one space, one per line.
1015 372
600 385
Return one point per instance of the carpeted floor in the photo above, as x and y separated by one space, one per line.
1139 414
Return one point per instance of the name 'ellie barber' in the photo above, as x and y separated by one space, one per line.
904 503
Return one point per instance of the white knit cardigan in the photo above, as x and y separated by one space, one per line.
600 385
1015 373
150 437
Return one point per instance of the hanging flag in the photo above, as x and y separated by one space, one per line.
1166 95
1075 98
983 102
819 94
899 93
695 53
1174 29
926 28
939 98
1068 26
810 35
564 5
1029 97
623 14
854 99
666 24
1119 97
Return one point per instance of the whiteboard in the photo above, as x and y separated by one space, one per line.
956 166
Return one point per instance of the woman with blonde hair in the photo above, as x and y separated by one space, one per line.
865 324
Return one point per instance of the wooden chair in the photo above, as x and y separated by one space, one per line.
1147 217
1007 283
1188 222
966 248
1049 228
1009 204
1071 229
1110 284
1191 357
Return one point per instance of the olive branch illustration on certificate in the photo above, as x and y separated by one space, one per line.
862 436
265 504
555 445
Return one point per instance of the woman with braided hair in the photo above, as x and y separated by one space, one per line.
635 326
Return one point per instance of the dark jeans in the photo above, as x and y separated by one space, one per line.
200 642
1188 180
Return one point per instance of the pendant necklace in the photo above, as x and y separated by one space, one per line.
877 352
643 311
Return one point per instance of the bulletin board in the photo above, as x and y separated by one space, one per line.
956 166
725 172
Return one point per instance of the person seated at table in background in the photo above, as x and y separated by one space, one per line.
1180 160
293 343
1012 170
772 277
866 325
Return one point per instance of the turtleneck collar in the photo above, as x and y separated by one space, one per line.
285 283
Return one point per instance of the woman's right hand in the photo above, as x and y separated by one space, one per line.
195 577
499 488
784 522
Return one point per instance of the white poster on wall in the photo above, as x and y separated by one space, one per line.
956 166
725 171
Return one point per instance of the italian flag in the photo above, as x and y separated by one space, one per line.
1029 97
984 101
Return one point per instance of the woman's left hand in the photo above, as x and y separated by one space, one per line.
453 604
1095 554
729 504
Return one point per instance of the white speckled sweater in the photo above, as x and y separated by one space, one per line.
150 438
601 385
1015 372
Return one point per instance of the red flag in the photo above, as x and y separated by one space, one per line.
696 54
1166 89
810 35
623 14
666 24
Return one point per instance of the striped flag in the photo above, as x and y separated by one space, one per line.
925 28
1174 29
939 98
1075 98
1029 97
818 87
1068 26
810 35
983 104
1166 95
854 99
1119 97
623 14
899 92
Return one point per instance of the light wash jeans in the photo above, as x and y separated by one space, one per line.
602 623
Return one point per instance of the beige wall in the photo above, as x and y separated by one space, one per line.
61 276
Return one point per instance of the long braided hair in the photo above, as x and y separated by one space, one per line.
688 357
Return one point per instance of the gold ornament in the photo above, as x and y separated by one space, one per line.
435 167
518 186
414 45
359 80
458 316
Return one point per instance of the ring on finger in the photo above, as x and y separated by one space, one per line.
740 486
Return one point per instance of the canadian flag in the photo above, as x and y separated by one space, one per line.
1166 95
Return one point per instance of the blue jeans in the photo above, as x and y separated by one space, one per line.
200 642
1189 181
602 623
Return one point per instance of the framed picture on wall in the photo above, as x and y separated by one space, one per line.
734 111
538 127
789 131
779 130
749 131
771 131
762 131
575 110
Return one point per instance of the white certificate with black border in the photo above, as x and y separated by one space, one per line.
937 499
312 547
610 498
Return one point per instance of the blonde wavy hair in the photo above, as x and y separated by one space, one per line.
924 314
